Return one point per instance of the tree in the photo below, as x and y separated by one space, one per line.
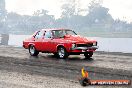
40 12
98 17
68 9
3 17
41 19
2 10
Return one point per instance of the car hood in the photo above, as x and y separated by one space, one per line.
78 39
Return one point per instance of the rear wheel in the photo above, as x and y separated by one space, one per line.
88 55
33 51
62 53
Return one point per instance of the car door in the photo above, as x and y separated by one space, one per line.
38 40
48 41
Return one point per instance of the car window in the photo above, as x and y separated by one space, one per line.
70 32
48 34
58 33
61 33
39 34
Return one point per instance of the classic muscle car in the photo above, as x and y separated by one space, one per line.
60 42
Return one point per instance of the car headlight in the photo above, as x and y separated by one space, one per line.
95 44
73 45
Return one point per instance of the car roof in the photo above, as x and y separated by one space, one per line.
54 29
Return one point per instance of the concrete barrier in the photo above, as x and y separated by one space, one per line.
4 38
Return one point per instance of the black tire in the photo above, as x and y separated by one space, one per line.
62 53
88 55
85 82
33 51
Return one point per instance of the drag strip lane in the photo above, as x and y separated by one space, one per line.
18 60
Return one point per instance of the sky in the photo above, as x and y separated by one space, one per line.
119 9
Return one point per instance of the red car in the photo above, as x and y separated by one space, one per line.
60 42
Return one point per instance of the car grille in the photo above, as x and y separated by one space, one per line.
85 45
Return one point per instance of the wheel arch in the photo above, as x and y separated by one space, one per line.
58 46
31 44
63 45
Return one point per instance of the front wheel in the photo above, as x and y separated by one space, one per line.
88 55
62 53
33 51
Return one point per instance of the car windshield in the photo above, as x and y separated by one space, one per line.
62 33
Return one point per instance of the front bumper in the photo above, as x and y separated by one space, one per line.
83 49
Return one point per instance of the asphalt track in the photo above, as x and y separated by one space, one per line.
102 65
